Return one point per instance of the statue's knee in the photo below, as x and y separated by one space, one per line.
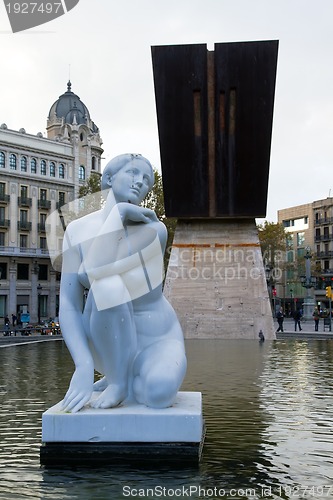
160 391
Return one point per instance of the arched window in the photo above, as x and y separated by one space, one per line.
43 167
52 169
61 171
24 164
2 159
33 166
82 173
12 162
93 163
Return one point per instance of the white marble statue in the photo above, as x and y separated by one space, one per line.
126 330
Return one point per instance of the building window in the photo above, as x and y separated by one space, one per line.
82 173
300 239
22 271
52 169
2 159
43 194
12 162
42 243
43 167
2 215
61 171
2 243
24 164
3 270
24 192
23 241
93 163
43 306
33 165
61 197
2 190
42 221
23 216
43 272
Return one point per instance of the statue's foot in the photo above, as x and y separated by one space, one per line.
112 396
100 385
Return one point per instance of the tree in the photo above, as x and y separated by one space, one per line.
273 242
155 201
91 185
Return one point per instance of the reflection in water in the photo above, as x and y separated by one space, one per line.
268 410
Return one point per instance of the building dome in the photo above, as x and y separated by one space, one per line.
71 109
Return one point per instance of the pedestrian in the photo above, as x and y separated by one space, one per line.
297 318
316 316
280 318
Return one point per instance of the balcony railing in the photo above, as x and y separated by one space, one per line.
42 227
4 198
60 204
4 223
323 237
27 252
328 220
23 201
44 204
324 254
24 225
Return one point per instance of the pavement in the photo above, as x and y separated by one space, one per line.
17 338
307 332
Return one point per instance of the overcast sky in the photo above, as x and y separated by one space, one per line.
105 46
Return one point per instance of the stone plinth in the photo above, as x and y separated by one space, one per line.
216 280
128 433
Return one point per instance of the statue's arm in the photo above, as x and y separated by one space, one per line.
71 302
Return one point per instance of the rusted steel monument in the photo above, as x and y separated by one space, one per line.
215 113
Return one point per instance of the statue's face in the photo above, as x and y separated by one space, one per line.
132 182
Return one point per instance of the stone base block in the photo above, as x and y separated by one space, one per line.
216 280
130 433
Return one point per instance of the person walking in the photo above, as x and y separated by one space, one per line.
316 317
297 318
280 318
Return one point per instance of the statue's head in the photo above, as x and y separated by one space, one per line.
130 176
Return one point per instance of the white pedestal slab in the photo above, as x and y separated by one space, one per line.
182 422
131 432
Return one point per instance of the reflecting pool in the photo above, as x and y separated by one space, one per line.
268 410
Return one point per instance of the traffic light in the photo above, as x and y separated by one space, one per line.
274 291
329 292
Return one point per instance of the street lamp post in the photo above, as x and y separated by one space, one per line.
39 289
269 280
308 282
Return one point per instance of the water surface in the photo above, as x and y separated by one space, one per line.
268 411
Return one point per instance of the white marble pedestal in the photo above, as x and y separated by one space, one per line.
131 433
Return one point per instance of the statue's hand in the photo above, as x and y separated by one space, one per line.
80 390
134 213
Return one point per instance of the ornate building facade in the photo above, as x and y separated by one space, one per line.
38 175
308 226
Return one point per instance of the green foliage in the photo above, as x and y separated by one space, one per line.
91 185
91 201
273 241
155 201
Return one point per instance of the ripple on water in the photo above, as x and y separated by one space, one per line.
268 411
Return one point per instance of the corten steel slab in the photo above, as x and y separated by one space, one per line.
180 75
215 113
